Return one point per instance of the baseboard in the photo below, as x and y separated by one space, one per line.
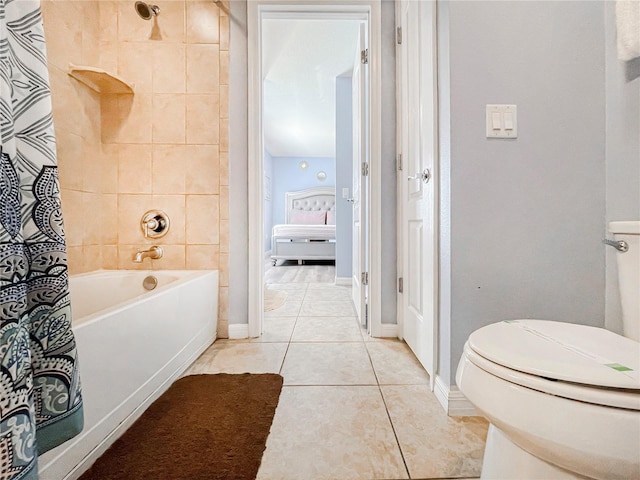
452 400
459 406
238 330
441 391
344 281
389 330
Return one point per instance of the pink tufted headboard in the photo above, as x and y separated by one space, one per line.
311 199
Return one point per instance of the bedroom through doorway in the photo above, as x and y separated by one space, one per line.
314 130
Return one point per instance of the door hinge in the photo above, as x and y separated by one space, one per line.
399 162
400 285
365 169
364 278
398 35
364 56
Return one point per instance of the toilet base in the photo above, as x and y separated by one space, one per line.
504 460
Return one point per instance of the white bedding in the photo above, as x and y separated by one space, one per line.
311 232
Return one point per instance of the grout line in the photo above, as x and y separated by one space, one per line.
395 433
360 341
386 408
327 341
284 357
302 385
290 336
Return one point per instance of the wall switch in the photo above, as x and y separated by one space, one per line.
496 121
502 121
508 121
345 192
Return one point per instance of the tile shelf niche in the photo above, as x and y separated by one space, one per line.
100 80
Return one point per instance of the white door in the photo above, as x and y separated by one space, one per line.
360 158
418 149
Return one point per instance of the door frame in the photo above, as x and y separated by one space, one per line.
430 60
369 10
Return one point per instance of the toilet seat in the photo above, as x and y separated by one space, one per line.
578 362
554 400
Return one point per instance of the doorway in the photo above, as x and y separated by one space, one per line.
366 175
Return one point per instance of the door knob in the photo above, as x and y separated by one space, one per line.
350 200
425 176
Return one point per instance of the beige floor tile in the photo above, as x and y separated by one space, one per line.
326 329
395 364
327 308
276 329
323 293
230 356
290 308
293 295
295 291
327 364
331 433
434 445
330 423
327 286
287 286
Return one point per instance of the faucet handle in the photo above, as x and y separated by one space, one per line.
154 224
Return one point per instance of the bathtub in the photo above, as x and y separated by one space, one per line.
132 344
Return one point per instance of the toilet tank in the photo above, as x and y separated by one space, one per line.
629 276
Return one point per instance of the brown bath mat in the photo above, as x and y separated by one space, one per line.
205 427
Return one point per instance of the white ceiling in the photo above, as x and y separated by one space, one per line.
301 60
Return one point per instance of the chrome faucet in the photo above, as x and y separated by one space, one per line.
153 253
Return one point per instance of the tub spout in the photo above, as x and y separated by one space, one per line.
153 253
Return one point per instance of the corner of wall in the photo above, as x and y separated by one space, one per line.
238 165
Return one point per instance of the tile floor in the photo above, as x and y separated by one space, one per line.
352 407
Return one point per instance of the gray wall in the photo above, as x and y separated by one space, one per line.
344 176
444 368
238 161
238 165
289 177
388 170
525 220
622 153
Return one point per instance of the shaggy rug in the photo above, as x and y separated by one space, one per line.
203 427
273 299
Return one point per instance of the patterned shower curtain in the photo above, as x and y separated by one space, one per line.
40 400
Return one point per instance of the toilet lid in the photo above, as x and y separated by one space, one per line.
561 351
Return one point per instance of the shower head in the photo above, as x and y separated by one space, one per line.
146 11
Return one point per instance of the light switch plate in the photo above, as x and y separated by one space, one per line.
498 129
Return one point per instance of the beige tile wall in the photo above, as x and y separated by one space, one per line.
71 30
163 147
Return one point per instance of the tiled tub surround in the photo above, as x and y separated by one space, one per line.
163 147
352 407
130 352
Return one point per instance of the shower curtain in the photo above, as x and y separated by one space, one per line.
40 400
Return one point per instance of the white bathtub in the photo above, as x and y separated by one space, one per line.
132 344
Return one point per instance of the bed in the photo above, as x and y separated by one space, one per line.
309 232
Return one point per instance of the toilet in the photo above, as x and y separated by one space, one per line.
563 400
